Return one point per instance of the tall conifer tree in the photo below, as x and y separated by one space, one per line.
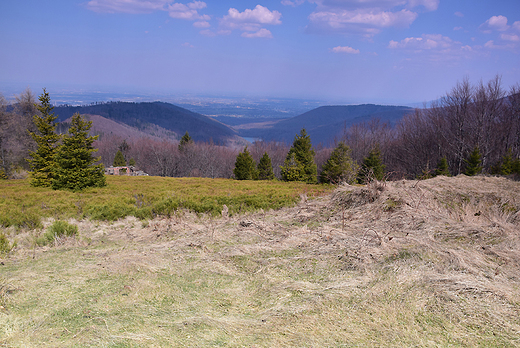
372 167
299 164
473 163
265 168
442 167
339 167
185 141
245 166
119 159
43 159
75 164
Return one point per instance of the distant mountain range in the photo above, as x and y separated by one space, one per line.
324 123
165 120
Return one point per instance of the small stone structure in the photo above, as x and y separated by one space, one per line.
124 170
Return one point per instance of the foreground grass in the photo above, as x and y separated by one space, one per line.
340 271
116 294
23 206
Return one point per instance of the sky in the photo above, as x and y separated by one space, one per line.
347 51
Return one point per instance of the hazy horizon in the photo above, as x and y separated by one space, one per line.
393 52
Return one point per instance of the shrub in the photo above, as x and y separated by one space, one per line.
5 246
57 230
109 212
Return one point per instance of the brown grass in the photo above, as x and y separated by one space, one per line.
433 263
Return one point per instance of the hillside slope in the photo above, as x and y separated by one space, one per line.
103 127
325 123
165 115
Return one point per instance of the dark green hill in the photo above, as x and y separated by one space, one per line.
326 123
165 115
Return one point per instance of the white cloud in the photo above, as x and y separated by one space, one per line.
251 22
510 37
458 28
363 22
435 48
127 6
430 5
425 42
365 17
459 14
197 5
493 46
188 12
259 15
263 33
498 23
345 49
187 44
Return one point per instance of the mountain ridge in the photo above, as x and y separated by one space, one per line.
325 123
164 115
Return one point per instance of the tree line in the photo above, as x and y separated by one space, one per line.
474 128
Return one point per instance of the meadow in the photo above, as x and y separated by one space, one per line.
431 263
24 206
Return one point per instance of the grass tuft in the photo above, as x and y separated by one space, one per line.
57 230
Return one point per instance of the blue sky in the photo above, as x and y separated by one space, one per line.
349 51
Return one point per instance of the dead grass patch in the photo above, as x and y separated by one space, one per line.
400 264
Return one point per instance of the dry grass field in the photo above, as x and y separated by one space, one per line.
433 263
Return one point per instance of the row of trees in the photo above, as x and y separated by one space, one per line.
481 120
299 165
474 128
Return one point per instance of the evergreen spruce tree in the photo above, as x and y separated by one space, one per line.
43 159
75 164
299 164
506 167
339 167
442 167
131 162
372 167
185 140
474 163
245 166
265 168
119 159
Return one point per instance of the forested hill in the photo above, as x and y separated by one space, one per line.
165 115
325 123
